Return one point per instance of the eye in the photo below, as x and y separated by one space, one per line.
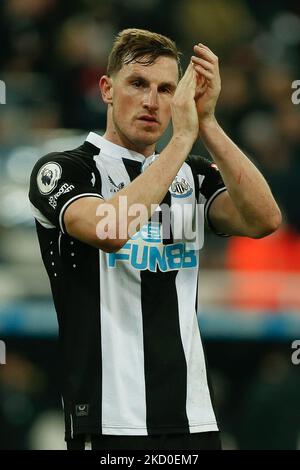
165 89
136 83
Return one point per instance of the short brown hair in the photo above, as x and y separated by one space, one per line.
141 46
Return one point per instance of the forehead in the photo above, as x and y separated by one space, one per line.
164 69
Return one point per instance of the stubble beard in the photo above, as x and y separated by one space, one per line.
134 140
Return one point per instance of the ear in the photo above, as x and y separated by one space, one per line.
106 89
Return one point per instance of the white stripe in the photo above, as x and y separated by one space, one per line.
69 202
114 151
123 376
208 203
105 168
40 217
200 181
72 430
59 243
187 205
199 408
88 443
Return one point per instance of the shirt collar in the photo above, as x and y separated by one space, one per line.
113 150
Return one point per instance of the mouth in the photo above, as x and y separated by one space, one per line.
148 119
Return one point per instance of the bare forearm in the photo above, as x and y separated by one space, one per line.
109 224
247 187
150 188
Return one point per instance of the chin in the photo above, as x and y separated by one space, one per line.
147 138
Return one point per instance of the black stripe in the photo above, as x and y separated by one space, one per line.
163 350
166 230
80 334
133 168
82 321
164 354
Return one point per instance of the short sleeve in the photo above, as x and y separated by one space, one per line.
57 180
208 182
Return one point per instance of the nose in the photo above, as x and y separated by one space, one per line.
150 100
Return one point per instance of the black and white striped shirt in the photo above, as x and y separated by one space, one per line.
132 354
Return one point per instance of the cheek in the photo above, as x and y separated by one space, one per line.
124 107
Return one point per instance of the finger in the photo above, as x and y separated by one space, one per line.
186 76
186 88
204 51
194 76
205 64
200 79
200 44
206 54
203 45
189 70
201 85
192 83
207 74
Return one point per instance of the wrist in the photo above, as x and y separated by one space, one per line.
183 141
207 125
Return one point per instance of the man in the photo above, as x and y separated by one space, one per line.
125 293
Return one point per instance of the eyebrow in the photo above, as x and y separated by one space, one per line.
136 76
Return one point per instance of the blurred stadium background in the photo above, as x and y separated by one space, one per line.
51 57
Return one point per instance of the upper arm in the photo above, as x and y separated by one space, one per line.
80 221
223 216
221 213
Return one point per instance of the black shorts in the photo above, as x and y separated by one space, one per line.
196 441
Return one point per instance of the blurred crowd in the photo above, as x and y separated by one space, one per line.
52 55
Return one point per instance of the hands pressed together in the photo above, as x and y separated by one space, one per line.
197 93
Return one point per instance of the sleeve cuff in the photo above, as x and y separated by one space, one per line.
206 212
66 205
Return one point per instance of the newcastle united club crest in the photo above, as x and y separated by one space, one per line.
180 188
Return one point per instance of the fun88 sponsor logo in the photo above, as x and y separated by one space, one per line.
145 250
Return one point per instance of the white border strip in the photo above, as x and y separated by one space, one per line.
211 199
206 209
40 217
72 430
69 202
88 443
